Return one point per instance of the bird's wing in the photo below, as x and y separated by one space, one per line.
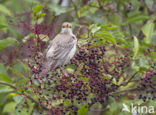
59 49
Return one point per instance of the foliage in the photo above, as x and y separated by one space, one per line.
115 62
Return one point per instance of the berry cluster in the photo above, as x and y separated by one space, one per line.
97 71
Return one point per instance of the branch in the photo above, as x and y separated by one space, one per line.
29 97
130 79
8 84
125 90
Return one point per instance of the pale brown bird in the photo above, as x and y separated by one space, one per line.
61 49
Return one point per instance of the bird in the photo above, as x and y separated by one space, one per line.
60 50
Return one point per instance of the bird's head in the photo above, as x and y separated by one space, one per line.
66 28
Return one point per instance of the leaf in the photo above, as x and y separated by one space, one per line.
3 69
2 26
3 74
37 8
136 47
86 10
21 67
18 98
94 28
3 23
143 63
148 29
83 110
18 73
4 10
9 107
59 10
4 90
6 42
44 37
136 17
5 78
108 36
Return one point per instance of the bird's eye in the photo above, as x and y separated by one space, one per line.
69 26
63 26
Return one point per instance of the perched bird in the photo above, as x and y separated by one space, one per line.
60 50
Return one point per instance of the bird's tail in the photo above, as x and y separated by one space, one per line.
46 67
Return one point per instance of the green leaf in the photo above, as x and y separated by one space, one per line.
87 10
136 17
2 26
83 110
136 47
6 42
94 28
59 10
37 8
108 36
9 107
148 29
21 67
4 90
18 73
3 74
18 98
5 78
4 10
3 23
3 69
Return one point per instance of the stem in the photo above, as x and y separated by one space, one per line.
10 85
130 79
125 90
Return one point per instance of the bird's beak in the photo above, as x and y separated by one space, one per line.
67 26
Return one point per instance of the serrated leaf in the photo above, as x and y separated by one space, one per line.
136 47
4 10
6 42
148 29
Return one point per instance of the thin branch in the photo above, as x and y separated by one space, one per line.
125 90
8 84
130 79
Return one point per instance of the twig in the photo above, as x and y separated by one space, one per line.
8 84
125 90
130 79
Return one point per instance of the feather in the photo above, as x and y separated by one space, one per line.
59 52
